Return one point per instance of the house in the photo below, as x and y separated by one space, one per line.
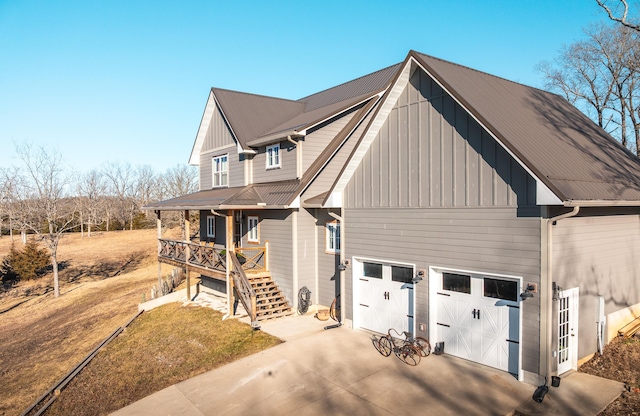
427 196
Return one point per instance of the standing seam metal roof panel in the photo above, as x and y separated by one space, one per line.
367 84
551 136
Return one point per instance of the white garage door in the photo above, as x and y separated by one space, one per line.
478 318
385 296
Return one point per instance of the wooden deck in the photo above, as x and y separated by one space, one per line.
206 259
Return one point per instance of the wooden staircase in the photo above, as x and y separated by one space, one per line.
270 302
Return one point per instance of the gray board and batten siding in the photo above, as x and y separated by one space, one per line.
219 141
435 190
598 254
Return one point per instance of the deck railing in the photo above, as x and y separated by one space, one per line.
207 257
244 289
249 258
253 258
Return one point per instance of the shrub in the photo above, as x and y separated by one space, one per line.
26 264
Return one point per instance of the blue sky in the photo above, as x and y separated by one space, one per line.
127 81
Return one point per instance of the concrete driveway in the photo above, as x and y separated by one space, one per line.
339 372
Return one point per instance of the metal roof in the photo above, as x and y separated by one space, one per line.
272 195
574 157
198 200
252 116
367 84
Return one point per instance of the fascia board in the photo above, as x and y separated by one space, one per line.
334 200
274 138
212 102
194 158
600 203
313 124
295 203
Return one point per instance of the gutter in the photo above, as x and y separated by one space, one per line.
549 285
343 284
600 203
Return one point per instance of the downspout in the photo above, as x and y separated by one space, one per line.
228 262
298 156
343 285
294 256
549 290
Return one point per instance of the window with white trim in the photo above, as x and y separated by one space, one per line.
220 169
333 237
211 226
273 156
252 230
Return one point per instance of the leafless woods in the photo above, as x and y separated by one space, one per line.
42 197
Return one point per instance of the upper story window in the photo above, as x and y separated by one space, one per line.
220 169
333 237
211 226
273 156
252 230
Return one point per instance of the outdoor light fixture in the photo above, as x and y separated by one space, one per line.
528 292
343 266
557 291
418 277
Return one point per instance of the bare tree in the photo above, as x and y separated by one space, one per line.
599 76
618 11
10 178
121 180
178 181
90 189
578 77
48 213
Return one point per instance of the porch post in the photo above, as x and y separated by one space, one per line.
159 227
187 231
230 251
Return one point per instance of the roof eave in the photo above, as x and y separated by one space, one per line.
274 138
600 203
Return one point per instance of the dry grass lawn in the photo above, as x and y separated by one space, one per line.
42 338
161 347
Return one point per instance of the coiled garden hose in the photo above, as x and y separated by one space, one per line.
304 300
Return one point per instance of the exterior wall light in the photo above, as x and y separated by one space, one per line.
343 266
528 292
557 291
419 276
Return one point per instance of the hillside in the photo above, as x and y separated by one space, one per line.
103 279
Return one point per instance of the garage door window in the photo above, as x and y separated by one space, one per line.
456 282
501 289
372 270
401 274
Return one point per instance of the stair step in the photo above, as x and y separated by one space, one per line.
266 290
274 316
273 306
274 313
264 297
254 275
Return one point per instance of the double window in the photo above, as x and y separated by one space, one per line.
333 237
252 230
273 156
220 169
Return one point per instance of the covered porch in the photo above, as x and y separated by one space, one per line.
244 271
